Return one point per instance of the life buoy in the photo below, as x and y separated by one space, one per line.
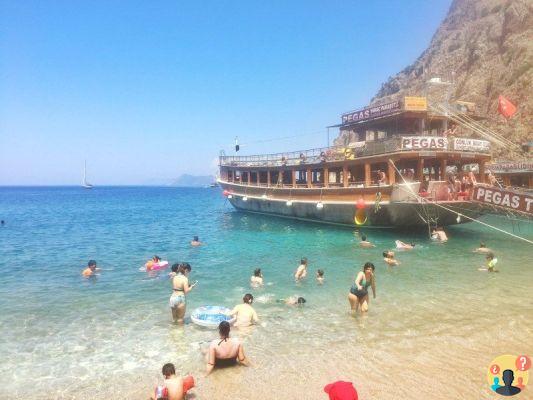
360 216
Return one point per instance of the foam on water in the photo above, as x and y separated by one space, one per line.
436 323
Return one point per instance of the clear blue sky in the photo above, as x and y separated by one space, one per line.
147 90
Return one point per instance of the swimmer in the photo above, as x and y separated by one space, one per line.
439 235
483 249
244 314
195 241
491 263
91 269
320 276
358 296
173 386
150 264
365 243
293 301
180 288
256 279
388 257
404 246
301 271
226 351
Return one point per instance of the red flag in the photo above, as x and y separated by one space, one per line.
505 107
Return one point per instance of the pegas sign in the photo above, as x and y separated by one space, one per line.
424 143
471 144
371 112
504 198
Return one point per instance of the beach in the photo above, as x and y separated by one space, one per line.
432 331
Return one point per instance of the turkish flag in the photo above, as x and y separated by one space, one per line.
505 107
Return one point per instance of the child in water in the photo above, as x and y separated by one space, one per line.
388 257
256 279
320 276
491 263
301 271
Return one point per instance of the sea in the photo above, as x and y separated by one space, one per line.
432 331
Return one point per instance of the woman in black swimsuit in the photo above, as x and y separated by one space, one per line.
226 351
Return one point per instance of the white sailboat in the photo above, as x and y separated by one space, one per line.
86 184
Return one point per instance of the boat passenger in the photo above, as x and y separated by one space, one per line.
358 296
91 269
492 179
388 257
404 246
382 177
320 276
482 248
301 271
438 235
180 288
175 387
256 279
323 157
365 243
195 241
244 314
303 158
226 351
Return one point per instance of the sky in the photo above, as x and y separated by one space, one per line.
148 90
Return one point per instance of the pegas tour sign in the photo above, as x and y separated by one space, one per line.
424 143
371 112
504 198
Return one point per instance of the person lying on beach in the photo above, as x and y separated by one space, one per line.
195 241
244 314
226 351
358 296
365 243
91 269
175 387
438 235
320 276
404 246
301 271
483 249
491 263
293 301
256 279
388 257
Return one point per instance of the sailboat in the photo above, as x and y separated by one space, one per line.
86 184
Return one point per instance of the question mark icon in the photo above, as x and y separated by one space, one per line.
523 363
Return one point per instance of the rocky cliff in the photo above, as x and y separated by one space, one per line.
485 47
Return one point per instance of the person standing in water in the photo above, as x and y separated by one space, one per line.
388 257
301 271
320 276
244 314
196 242
256 279
226 351
180 288
365 243
91 269
358 296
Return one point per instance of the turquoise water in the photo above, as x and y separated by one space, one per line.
82 338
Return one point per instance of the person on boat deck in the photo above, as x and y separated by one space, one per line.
283 161
409 175
438 235
388 257
301 271
365 243
256 279
195 241
358 295
173 387
323 157
302 158
180 288
382 177
91 269
482 248
320 276
492 179
226 351
244 314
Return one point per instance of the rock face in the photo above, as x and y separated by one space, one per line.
485 47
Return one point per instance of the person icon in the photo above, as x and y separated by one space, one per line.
520 383
496 383
508 389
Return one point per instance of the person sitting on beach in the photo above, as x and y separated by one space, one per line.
482 249
320 276
91 269
244 314
195 241
438 235
358 296
180 288
404 246
256 279
365 243
226 351
175 387
301 271
388 257
491 263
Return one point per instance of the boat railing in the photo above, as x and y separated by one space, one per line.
329 154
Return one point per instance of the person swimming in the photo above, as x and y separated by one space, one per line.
491 263
91 269
320 276
365 243
226 351
180 288
438 235
244 314
483 249
195 241
358 295
388 257
256 279
301 271
293 301
404 246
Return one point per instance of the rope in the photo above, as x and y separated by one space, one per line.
461 214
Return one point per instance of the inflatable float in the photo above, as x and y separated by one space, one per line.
210 316
156 266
